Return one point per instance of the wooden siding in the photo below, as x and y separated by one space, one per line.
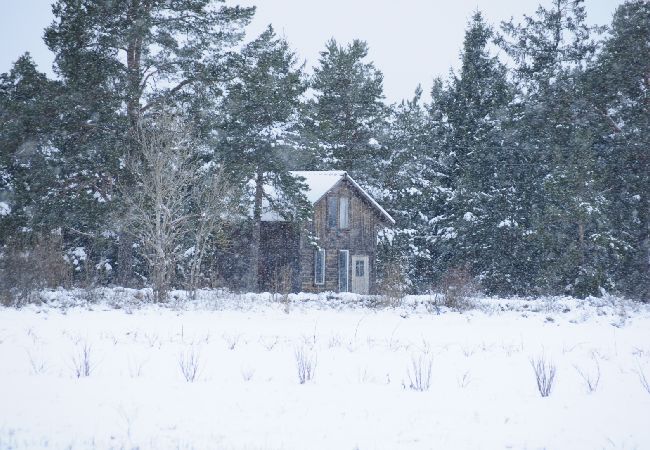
360 239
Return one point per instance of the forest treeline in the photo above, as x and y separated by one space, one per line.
146 159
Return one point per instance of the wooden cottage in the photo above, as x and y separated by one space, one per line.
336 251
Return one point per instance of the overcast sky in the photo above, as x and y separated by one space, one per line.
411 41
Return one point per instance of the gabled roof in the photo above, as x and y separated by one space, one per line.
320 183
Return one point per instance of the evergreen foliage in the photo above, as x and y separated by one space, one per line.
348 110
527 172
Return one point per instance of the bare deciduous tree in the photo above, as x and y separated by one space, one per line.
213 202
174 200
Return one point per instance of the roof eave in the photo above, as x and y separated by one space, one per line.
372 201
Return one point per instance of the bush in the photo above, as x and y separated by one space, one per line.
643 379
81 361
305 364
457 287
188 362
419 372
392 284
544 375
31 264
591 379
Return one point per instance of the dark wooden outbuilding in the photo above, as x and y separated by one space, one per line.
336 251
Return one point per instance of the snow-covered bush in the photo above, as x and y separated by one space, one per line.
189 362
419 372
82 365
392 284
247 373
643 379
544 374
305 363
31 264
591 378
458 287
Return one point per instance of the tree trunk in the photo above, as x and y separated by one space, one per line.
125 259
133 62
133 65
257 232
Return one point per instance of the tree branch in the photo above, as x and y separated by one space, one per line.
607 117
174 90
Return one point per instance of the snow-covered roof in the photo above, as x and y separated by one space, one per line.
320 183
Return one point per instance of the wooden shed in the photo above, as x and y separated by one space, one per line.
336 251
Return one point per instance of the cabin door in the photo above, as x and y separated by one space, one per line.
360 274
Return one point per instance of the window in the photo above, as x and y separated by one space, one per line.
360 268
332 211
343 270
319 267
344 213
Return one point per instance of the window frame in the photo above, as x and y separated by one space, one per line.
332 212
317 255
344 200
347 270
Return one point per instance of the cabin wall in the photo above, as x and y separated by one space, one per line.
360 239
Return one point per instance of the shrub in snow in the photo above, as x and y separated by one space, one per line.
269 342
419 372
305 363
464 380
392 285
458 287
27 266
188 362
231 340
36 364
81 361
135 367
544 375
247 373
591 378
645 381
281 285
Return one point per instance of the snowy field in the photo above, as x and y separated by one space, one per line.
103 371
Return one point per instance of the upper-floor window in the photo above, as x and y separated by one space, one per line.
338 212
332 211
344 213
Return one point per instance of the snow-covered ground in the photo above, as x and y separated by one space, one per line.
247 395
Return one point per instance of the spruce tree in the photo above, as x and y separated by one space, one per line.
564 221
413 192
618 89
475 108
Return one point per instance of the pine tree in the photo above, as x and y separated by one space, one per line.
118 61
139 44
258 136
29 162
348 112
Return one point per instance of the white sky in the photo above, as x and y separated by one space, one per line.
411 41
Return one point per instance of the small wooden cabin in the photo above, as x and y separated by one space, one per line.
336 251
